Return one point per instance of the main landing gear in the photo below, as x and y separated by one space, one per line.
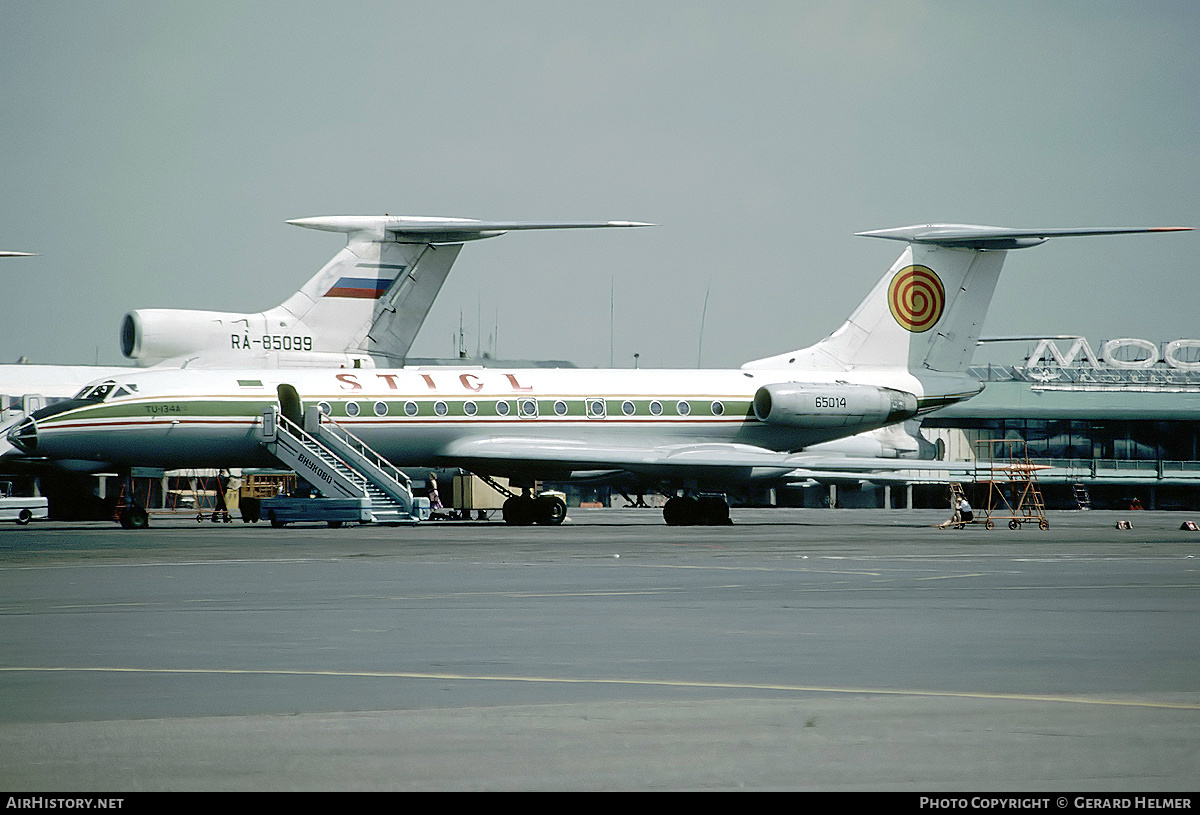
133 517
699 510
523 510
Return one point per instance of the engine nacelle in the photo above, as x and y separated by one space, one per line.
152 335
217 339
817 405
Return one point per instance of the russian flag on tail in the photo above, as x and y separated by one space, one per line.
366 288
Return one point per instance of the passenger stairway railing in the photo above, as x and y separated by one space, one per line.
338 463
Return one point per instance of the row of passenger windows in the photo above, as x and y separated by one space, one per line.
528 408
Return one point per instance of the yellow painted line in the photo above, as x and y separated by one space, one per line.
522 595
952 576
787 569
1102 586
665 683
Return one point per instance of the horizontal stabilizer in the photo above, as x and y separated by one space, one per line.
966 236
441 230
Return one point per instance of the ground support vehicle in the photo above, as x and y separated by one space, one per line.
335 512
21 509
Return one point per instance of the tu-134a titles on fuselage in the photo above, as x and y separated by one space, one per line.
905 350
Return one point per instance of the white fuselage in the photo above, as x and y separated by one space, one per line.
569 420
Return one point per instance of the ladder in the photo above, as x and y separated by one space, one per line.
338 463
956 495
1003 469
1082 499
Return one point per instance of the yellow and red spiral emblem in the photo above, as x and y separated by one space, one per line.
916 298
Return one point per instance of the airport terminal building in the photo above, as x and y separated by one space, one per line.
1110 426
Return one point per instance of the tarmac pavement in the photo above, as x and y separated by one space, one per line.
796 649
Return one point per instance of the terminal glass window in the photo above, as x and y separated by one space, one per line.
1118 440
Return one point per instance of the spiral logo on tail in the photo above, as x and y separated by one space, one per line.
916 298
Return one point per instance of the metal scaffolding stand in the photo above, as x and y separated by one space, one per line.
1003 469
143 489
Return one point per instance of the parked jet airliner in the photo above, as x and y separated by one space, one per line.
363 309
904 351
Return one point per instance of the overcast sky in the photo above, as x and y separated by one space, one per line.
151 153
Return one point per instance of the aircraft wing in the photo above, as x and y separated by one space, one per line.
725 461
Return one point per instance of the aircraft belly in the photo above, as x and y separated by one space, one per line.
591 445
529 451
159 444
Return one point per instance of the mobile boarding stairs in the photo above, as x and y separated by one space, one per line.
342 467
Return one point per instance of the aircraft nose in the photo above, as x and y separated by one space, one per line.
24 436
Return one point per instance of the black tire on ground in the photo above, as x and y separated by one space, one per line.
680 511
550 510
518 511
138 518
712 511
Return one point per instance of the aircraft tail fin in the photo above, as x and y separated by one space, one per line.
361 309
374 295
926 313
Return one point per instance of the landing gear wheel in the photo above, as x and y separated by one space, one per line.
519 511
550 510
680 511
706 510
712 511
133 518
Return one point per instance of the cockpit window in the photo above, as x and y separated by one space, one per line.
97 393
105 390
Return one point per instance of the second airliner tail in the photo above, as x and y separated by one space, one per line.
926 313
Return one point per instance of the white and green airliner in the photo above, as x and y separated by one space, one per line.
904 351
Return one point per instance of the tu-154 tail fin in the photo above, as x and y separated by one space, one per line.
926 313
